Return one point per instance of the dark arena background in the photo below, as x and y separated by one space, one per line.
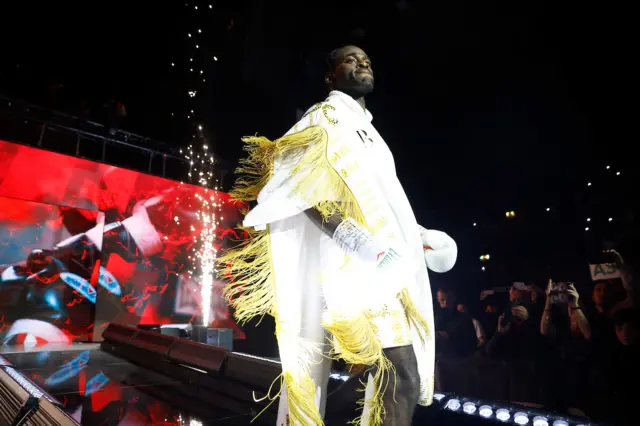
121 126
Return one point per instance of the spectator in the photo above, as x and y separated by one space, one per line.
624 369
560 327
605 307
455 334
480 336
566 331
513 337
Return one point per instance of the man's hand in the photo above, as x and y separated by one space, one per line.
573 296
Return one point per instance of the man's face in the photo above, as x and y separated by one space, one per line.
353 73
442 299
461 307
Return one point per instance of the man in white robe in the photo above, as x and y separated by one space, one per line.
337 257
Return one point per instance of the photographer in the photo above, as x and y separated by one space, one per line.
513 337
566 331
574 324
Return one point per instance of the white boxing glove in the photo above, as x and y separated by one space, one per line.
440 250
354 240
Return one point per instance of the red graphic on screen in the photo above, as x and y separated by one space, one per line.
140 230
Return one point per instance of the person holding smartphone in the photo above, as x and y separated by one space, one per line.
574 324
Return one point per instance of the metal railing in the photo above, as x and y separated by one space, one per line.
28 124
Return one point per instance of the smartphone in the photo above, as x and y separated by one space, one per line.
558 294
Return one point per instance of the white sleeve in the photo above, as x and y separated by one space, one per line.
279 198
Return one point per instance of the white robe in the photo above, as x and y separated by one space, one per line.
307 263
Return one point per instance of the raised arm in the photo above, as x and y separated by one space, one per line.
355 240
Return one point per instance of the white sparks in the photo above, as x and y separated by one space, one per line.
205 251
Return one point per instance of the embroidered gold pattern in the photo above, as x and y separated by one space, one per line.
325 108
426 391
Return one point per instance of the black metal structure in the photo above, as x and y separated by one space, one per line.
28 124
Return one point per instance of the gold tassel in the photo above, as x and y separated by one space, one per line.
257 168
413 316
301 396
252 290
357 343
316 181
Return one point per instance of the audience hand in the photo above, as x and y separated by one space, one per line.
485 293
520 313
503 328
573 295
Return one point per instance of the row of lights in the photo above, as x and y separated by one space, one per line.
512 214
502 414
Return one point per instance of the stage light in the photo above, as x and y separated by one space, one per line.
561 423
589 184
453 404
475 224
199 31
485 411
484 257
548 209
617 173
608 167
197 47
503 415
438 396
189 35
172 64
586 229
210 6
540 421
215 58
521 418
588 219
483 268
469 407
610 219
337 376
200 127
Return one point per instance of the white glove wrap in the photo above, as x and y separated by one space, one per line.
444 251
354 240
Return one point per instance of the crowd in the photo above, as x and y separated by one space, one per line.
588 348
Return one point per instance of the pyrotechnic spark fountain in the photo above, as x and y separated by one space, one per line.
208 214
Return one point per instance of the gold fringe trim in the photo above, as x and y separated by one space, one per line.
413 316
257 168
357 343
252 290
301 396
316 180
